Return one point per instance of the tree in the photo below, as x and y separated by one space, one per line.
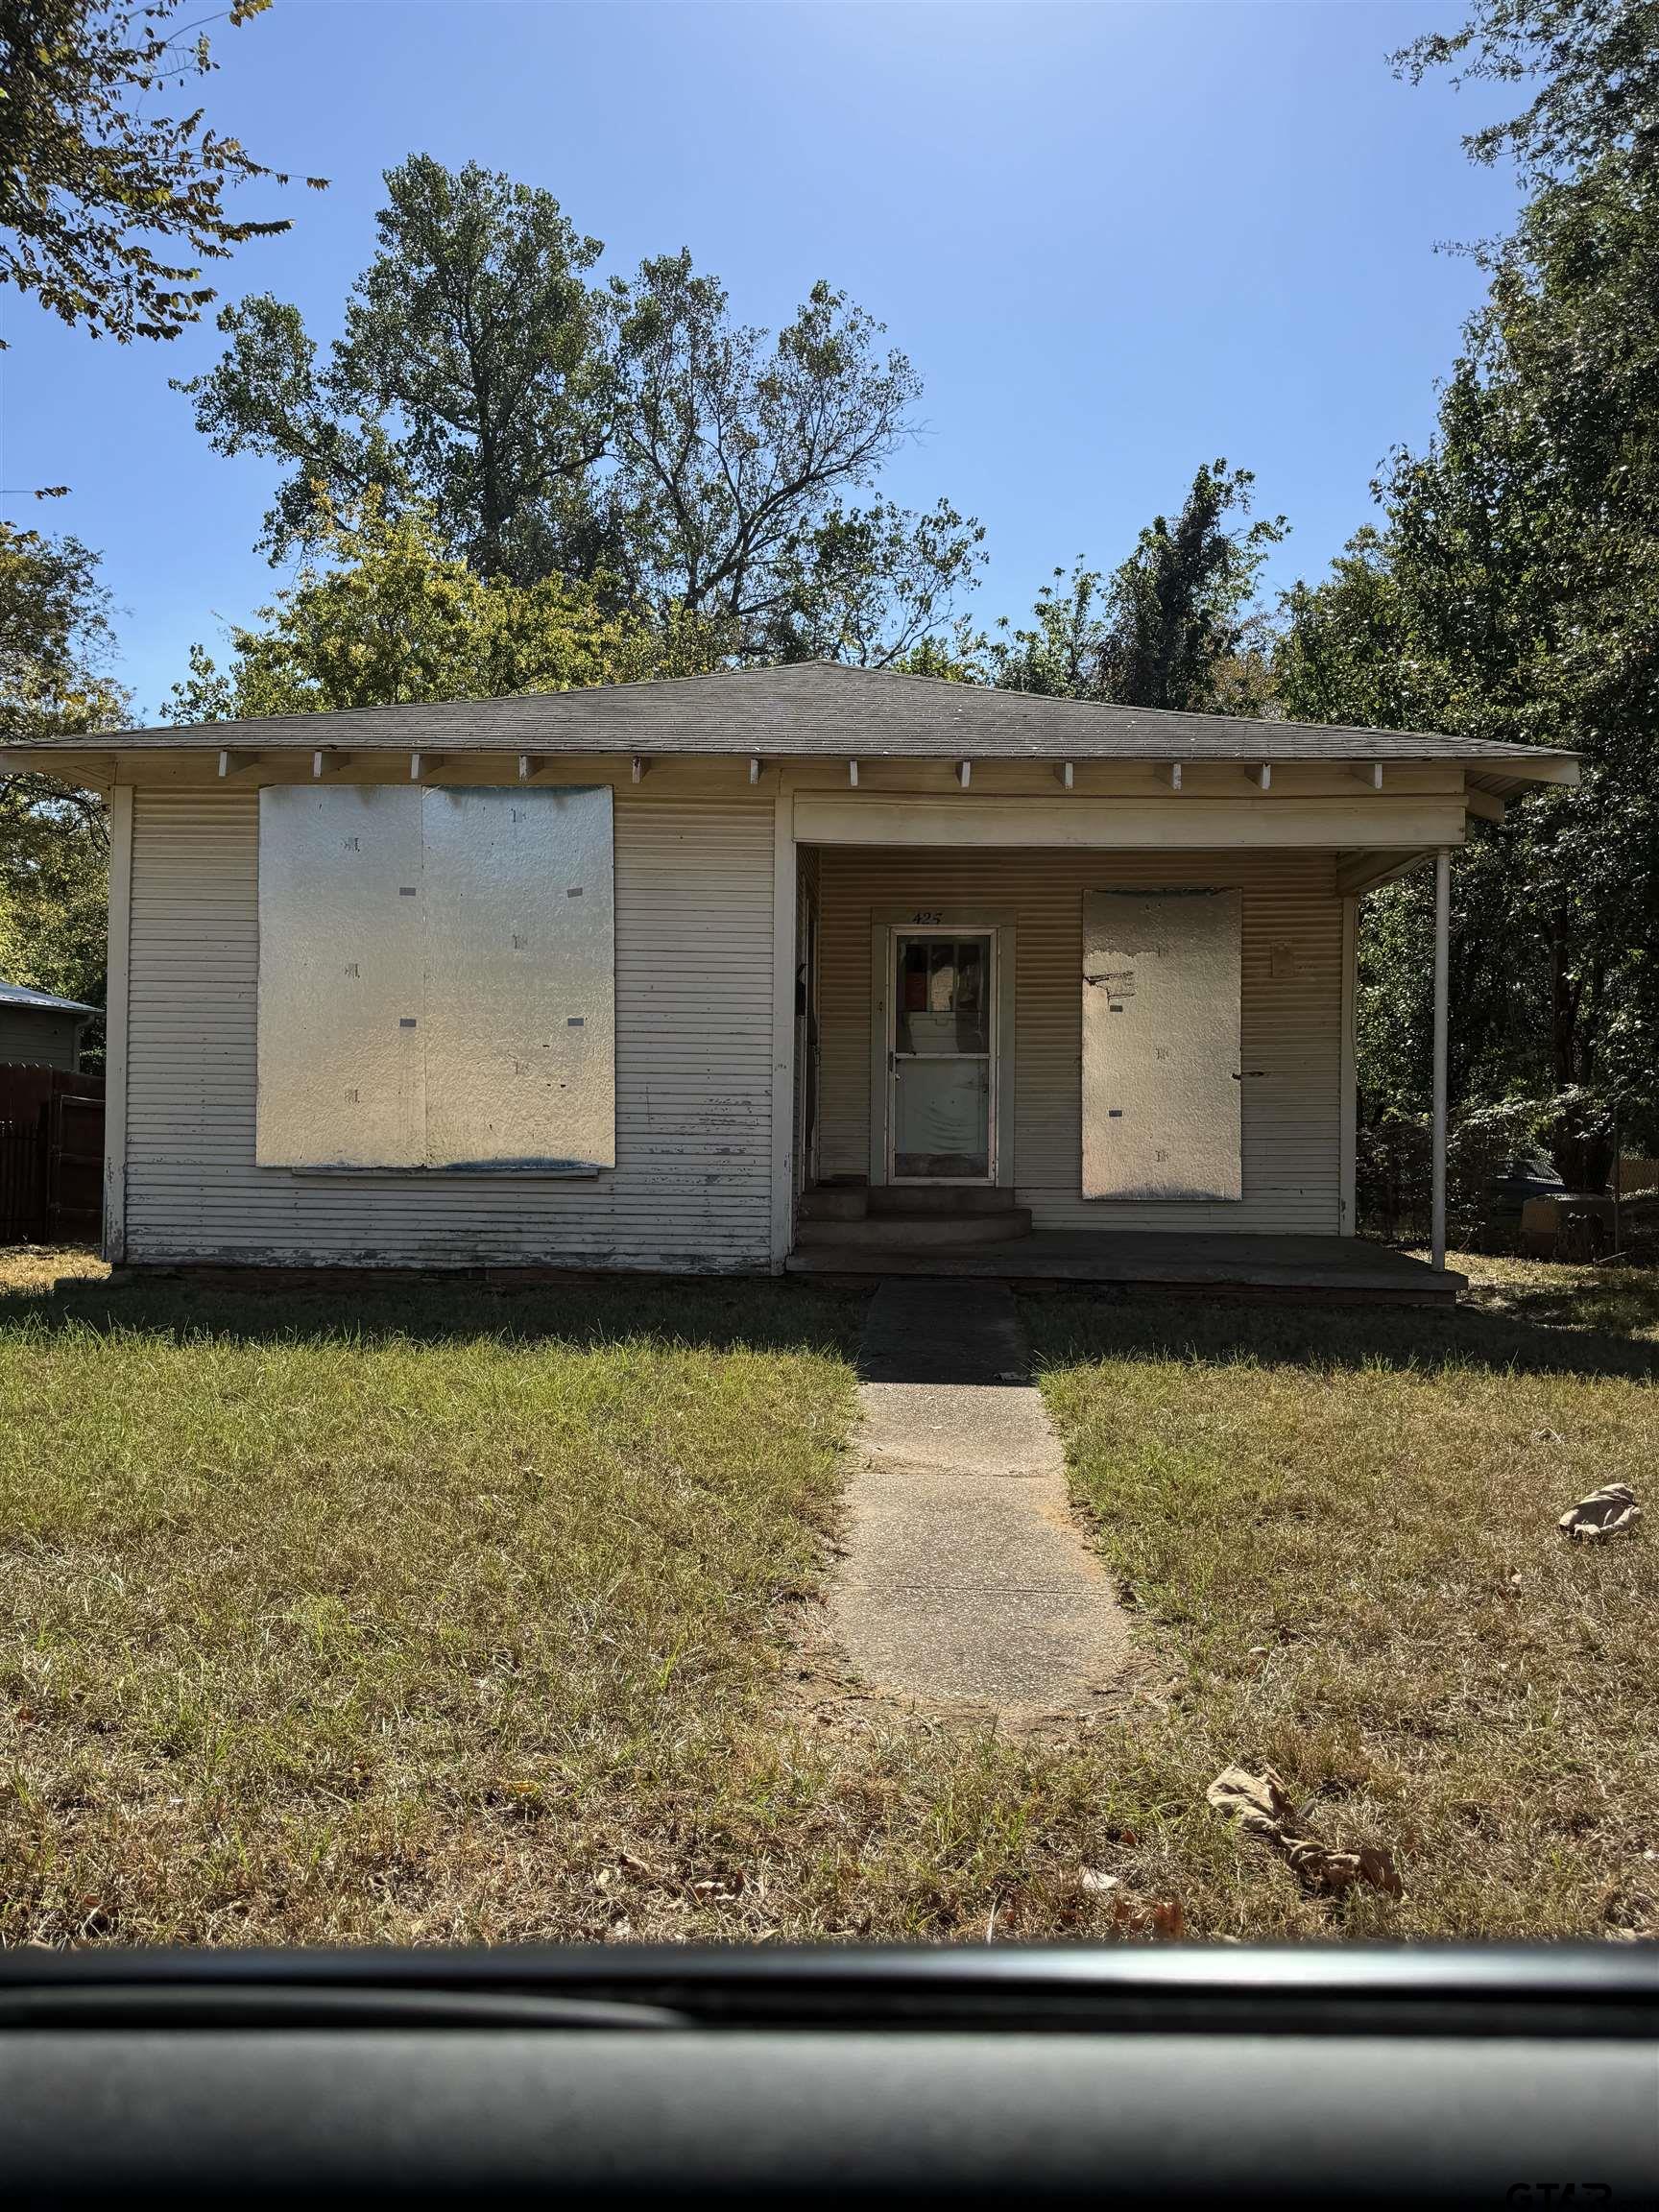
1344 651
735 458
93 178
631 436
388 615
1514 595
471 379
874 586
1175 625
54 632
1596 66
1065 650
1183 627
54 842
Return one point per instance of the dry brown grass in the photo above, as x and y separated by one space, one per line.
25 1267
474 1621
1622 1301
1342 1527
392 1630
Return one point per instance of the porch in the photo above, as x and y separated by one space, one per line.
972 1102
1340 1268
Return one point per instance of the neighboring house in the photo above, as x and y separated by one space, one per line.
809 965
38 1028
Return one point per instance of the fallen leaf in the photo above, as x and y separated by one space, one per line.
1164 1918
1330 1872
1261 1801
1262 1806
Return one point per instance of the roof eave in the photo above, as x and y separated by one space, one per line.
1510 777
98 766
46 1004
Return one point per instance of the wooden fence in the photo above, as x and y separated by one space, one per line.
51 1155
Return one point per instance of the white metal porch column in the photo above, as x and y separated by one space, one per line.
1442 936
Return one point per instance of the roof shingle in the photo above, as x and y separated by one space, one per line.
812 710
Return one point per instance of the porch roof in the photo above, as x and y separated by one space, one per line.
822 710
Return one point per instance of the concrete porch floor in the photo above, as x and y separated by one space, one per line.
1339 1267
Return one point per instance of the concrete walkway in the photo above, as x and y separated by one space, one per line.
965 1580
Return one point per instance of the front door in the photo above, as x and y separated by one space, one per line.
941 1056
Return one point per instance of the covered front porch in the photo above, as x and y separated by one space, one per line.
984 1088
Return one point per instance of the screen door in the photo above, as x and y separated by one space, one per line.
941 1062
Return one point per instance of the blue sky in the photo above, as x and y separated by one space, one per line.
1116 240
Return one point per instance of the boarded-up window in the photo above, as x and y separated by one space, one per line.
436 979
1161 1045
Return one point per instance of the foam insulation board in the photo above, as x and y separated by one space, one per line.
1162 1070
436 979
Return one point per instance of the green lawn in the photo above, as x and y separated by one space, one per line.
482 1617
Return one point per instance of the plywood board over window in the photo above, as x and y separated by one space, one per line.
435 979
1161 1071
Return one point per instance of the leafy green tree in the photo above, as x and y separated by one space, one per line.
874 586
1344 650
733 459
1184 629
472 378
53 892
1065 651
1176 625
54 840
1498 1046
1514 595
95 175
633 434
54 636
388 616
1596 64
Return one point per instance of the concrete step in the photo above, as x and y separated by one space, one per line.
833 1202
917 1231
912 1198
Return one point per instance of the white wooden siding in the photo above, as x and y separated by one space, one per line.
1291 1019
692 1184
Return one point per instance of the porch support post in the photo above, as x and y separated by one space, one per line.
1442 936
784 958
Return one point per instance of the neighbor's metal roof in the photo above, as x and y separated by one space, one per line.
40 1002
812 709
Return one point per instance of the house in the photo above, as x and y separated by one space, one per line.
37 1029
800 967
